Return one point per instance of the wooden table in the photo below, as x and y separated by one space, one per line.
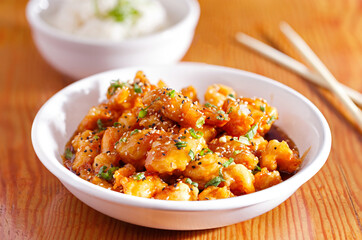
35 205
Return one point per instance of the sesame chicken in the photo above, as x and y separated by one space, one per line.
231 147
212 192
278 155
178 192
265 179
153 141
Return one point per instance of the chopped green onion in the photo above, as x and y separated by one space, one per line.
137 88
68 154
208 105
220 112
171 94
189 181
197 134
256 170
205 151
227 163
220 117
262 108
123 10
180 144
271 119
142 113
244 140
134 132
96 137
106 175
139 176
236 152
251 133
100 125
123 139
200 122
231 95
230 110
114 86
215 181
192 155
116 124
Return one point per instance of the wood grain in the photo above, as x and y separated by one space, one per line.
34 204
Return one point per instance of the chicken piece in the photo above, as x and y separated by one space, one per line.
258 145
173 152
204 169
85 138
278 155
101 182
108 159
126 171
145 187
240 119
216 94
127 121
174 106
263 114
212 193
87 148
98 117
208 132
161 84
125 96
265 179
230 147
133 146
178 192
110 138
239 179
215 116
190 92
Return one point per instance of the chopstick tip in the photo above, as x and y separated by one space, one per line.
283 26
239 36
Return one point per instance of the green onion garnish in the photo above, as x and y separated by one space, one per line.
68 154
106 175
134 132
227 163
139 176
200 122
271 119
251 133
205 151
180 144
195 134
192 155
137 88
171 94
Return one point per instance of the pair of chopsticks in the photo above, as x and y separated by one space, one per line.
322 76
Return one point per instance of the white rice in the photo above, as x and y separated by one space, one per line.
91 19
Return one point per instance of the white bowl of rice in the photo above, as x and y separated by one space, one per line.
89 36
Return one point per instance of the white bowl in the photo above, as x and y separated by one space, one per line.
79 57
58 118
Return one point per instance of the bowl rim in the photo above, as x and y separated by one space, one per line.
294 182
191 18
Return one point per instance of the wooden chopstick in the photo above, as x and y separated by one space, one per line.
322 70
292 64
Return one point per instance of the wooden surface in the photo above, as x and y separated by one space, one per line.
34 204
